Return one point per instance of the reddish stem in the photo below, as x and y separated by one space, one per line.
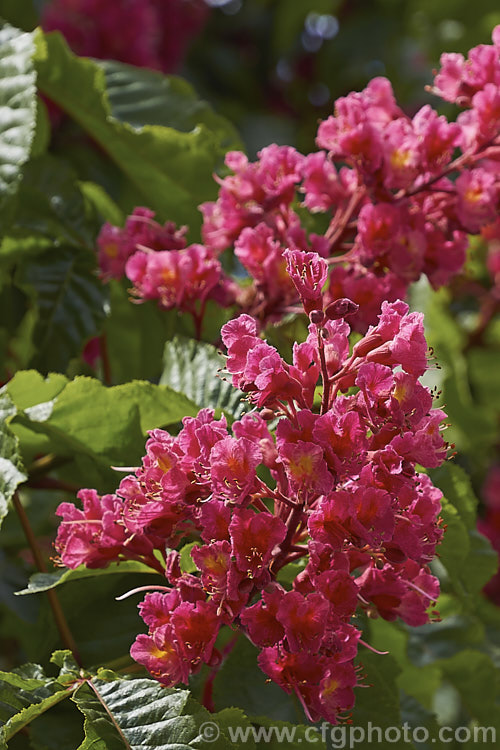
106 365
293 522
50 483
489 308
198 319
458 163
325 398
337 228
259 504
208 688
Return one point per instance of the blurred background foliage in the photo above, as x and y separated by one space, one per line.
274 67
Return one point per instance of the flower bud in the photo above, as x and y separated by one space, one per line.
341 308
394 554
369 342
267 414
317 317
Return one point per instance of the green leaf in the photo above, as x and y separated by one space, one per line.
135 336
70 301
68 666
102 202
456 487
471 672
417 685
168 170
24 697
379 704
94 426
454 547
473 428
52 208
18 106
50 250
484 365
186 561
421 683
11 467
85 402
28 388
443 640
20 13
275 735
29 712
45 581
240 682
289 572
467 556
135 714
193 368
145 97
41 140
415 715
233 723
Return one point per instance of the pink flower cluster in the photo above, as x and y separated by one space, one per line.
161 267
333 488
409 191
148 33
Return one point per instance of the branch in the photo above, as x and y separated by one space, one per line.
59 617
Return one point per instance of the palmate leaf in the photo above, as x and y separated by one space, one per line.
24 695
192 367
135 714
93 426
476 679
119 713
102 202
49 250
165 169
17 107
70 304
129 714
145 97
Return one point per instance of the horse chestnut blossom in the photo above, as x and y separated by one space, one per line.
391 196
327 482
408 193
161 267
